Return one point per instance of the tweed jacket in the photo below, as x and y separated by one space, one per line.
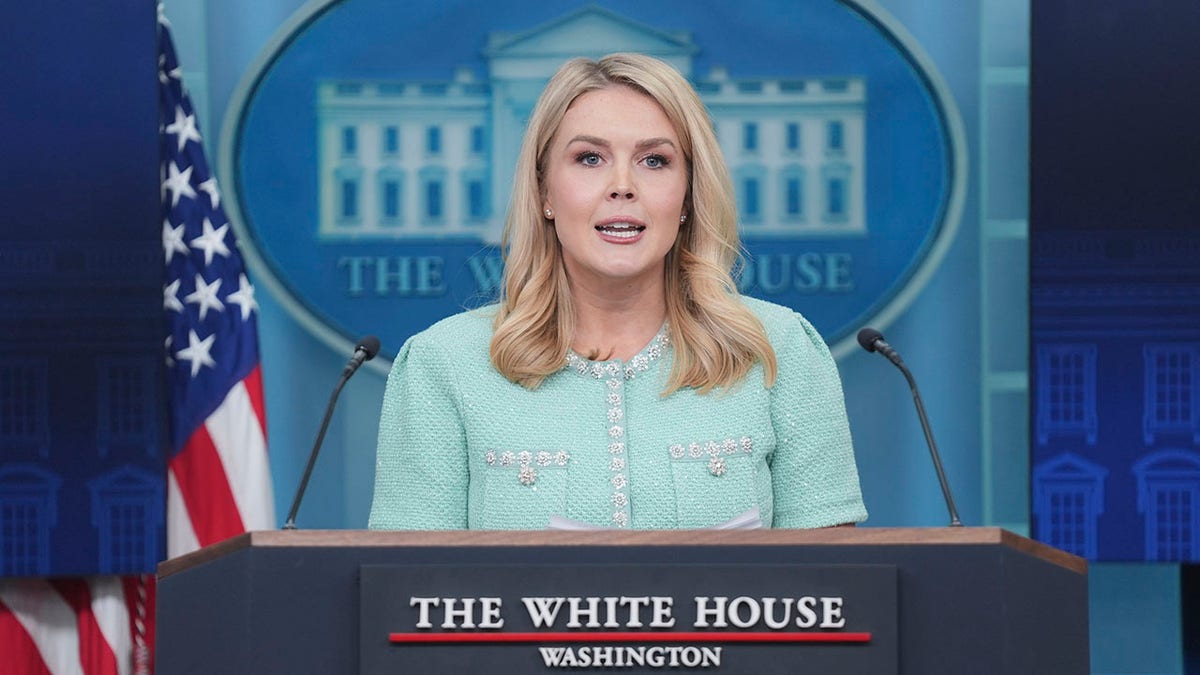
462 447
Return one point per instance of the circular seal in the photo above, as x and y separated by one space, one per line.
368 157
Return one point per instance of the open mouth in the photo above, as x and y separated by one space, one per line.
620 230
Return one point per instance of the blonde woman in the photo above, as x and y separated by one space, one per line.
620 380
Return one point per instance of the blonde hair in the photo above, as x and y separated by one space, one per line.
716 339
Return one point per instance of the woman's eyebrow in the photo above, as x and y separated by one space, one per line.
641 145
594 140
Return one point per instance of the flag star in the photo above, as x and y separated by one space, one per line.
162 16
184 128
165 76
178 182
167 349
212 241
197 352
173 240
171 297
205 295
214 195
243 297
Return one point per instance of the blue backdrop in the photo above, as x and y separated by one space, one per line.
81 325
1115 264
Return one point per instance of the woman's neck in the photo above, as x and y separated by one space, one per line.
616 325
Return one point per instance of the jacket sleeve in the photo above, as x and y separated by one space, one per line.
421 472
813 473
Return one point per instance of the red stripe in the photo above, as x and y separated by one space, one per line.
254 387
20 653
628 637
205 490
95 654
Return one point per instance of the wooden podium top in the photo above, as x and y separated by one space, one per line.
836 536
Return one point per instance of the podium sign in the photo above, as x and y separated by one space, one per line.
911 601
635 618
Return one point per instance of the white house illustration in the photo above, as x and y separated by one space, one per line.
123 504
1068 500
1169 499
434 159
28 512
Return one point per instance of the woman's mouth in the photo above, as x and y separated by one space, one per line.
620 230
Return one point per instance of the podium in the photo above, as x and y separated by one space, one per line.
847 600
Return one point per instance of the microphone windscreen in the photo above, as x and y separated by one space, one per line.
867 338
369 345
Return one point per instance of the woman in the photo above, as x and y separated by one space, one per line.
620 380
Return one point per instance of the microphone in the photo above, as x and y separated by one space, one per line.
365 350
872 341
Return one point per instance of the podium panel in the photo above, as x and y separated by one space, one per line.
846 600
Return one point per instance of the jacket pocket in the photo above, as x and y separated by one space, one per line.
523 489
714 480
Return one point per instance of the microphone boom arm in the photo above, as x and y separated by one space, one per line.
290 524
933 453
872 341
366 350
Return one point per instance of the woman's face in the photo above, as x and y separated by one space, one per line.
616 179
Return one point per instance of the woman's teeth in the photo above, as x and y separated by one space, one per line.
619 230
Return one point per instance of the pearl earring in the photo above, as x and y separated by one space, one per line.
683 219
549 214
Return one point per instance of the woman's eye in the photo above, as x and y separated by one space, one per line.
588 158
656 161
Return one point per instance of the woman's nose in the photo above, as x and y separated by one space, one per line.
622 185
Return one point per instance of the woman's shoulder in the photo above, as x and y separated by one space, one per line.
784 325
774 317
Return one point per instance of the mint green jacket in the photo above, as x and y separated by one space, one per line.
462 447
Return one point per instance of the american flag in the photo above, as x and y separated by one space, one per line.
218 482
218 478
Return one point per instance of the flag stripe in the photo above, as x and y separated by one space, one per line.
112 619
205 491
48 620
95 655
237 437
21 654
181 538
254 387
